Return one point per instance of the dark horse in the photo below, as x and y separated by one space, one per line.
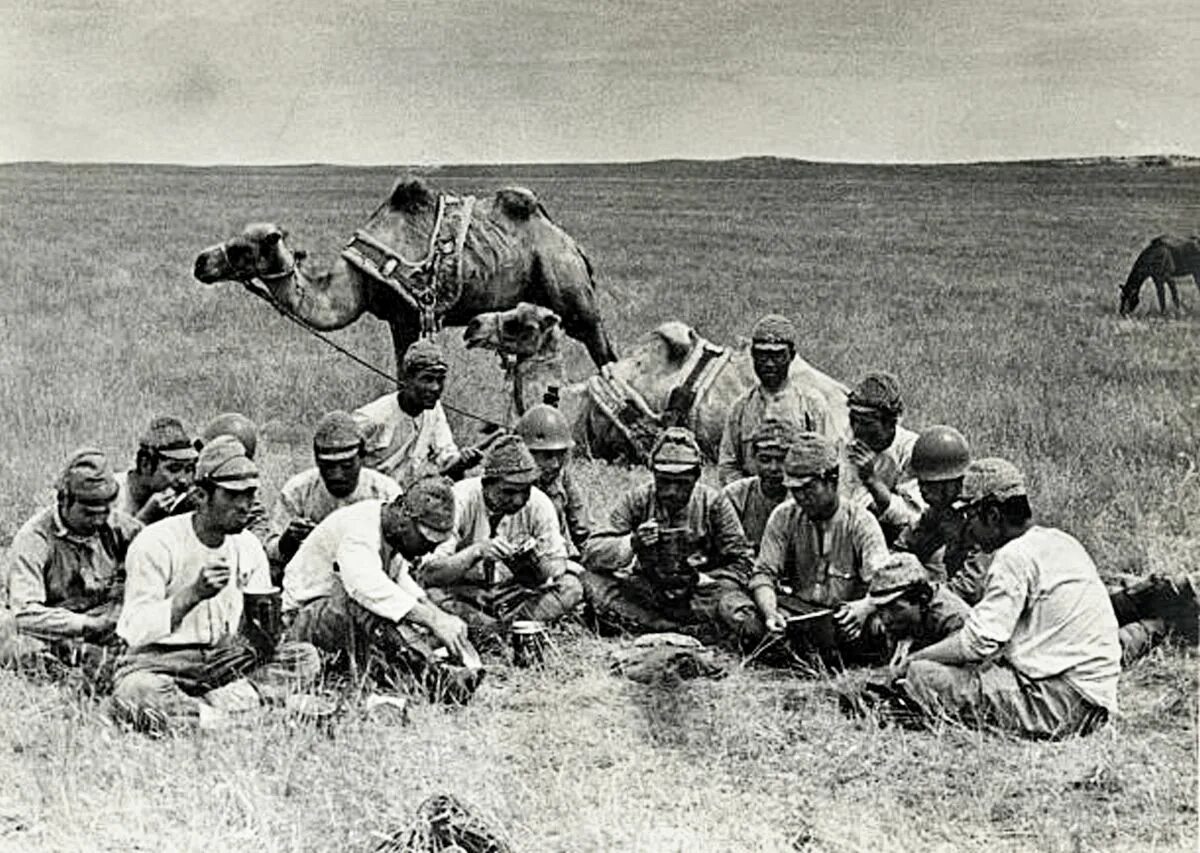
1166 258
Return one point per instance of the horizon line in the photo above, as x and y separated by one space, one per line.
1074 159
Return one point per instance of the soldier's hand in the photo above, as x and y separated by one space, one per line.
99 628
469 457
496 548
646 534
852 617
776 622
452 632
157 506
295 533
862 458
213 578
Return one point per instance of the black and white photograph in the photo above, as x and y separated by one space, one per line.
663 427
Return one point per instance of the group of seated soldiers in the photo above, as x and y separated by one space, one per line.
882 547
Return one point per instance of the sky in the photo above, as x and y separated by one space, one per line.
475 81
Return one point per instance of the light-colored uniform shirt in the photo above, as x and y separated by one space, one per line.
1047 612
56 578
752 506
823 562
893 469
164 560
537 519
791 404
305 497
349 545
401 446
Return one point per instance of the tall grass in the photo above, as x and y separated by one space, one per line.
989 291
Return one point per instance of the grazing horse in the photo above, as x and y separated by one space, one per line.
1166 258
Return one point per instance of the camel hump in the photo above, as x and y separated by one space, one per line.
518 203
410 195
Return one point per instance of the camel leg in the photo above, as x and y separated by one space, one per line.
1160 291
1174 295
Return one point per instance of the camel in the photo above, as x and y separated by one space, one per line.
657 371
526 339
1166 258
424 260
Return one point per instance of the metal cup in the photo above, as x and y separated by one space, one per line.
262 619
528 643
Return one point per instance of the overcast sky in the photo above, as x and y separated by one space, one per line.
412 81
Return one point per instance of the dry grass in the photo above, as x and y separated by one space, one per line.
990 291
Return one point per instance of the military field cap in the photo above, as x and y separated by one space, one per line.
993 478
773 331
509 459
223 462
897 576
675 452
424 354
166 436
87 476
773 434
235 424
878 392
337 437
429 502
811 455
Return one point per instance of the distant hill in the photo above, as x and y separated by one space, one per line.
742 168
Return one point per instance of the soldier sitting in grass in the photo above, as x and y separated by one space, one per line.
65 572
877 460
755 498
673 556
548 436
158 484
246 432
337 480
349 591
819 551
772 350
507 558
189 659
1039 655
406 435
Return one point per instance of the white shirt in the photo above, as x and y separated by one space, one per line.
349 545
403 447
166 558
1047 611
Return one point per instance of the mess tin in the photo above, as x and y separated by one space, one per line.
528 643
262 618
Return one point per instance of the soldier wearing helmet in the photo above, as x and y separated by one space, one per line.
877 459
940 456
673 556
337 479
775 395
548 436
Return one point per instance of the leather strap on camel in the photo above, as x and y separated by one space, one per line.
632 416
432 284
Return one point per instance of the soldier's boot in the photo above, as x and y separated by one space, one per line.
1175 602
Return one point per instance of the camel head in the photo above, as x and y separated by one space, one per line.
525 331
259 252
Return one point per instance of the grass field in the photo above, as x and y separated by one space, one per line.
990 291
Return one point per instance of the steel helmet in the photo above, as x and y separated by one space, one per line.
940 453
543 427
